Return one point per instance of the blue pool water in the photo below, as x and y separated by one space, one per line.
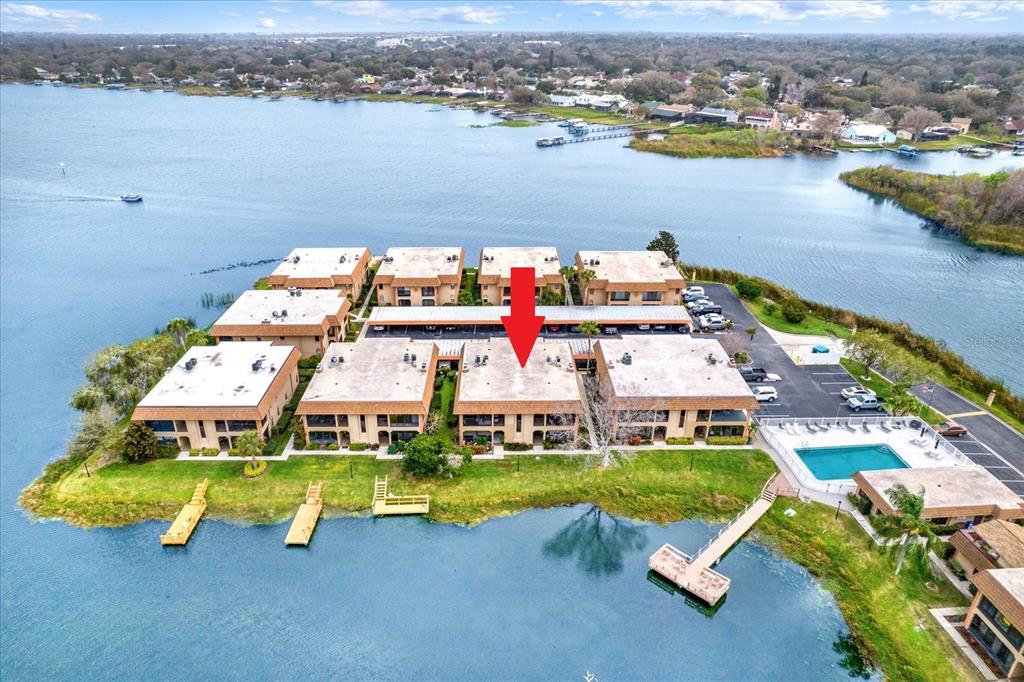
844 461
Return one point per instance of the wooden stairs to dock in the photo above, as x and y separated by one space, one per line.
695 573
188 518
385 504
307 516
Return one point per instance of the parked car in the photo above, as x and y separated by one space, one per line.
697 302
693 290
660 327
684 329
864 402
706 309
610 331
711 322
951 429
643 327
753 374
694 296
765 394
378 327
851 391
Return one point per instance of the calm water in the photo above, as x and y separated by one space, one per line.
844 461
228 180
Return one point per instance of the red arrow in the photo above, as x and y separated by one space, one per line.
522 326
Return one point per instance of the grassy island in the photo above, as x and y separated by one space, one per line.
699 142
881 609
986 210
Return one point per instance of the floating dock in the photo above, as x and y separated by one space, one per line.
188 518
305 519
385 504
695 574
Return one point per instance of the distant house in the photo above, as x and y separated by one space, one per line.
763 120
1014 126
561 101
962 123
867 133
670 112
715 116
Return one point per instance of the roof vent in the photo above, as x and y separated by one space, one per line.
666 263
476 360
405 357
295 259
412 358
712 360
284 312
190 364
342 259
275 314
627 359
256 366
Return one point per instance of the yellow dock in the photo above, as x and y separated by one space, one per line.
307 516
385 504
188 518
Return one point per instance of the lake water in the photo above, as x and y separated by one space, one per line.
228 180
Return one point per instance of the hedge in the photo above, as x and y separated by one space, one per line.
678 440
518 447
900 333
725 440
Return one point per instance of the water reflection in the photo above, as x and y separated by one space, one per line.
599 541
853 660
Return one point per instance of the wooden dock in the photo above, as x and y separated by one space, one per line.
386 504
188 518
305 519
695 574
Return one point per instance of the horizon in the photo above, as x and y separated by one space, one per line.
317 17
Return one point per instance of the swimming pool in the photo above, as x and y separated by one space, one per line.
844 461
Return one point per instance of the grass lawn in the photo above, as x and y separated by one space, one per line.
810 324
446 404
469 293
881 386
518 124
883 610
694 143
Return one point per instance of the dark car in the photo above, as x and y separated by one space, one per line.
753 374
684 329
951 429
706 309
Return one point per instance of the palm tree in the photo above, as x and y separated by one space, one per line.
906 521
751 331
568 273
583 279
590 329
179 327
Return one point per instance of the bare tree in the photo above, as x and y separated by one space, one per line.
918 119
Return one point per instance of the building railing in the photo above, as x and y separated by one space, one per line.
768 427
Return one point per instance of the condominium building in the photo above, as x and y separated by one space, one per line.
341 268
993 544
375 392
673 387
996 618
495 275
498 401
630 278
420 276
306 319
215 393
953 495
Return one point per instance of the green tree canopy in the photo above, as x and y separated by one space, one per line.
139 443
665 241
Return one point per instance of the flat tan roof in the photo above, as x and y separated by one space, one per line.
320 262
281 307
372 370
498 261
630 266
421 262
501 379
965 486
223 376
1011 579
670 366
1004 537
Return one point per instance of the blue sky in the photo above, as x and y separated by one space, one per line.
319 16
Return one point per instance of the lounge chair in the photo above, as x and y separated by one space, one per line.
884 426
811 428
823 426
865 428
849 426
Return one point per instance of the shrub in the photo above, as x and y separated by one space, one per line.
139 443
357 447
794 311
741 357
518 447
748 289
635 440
424 456
478 448
770 309
193 451
310 363
726 440
331 446
299 444
679 440
209 452
548 444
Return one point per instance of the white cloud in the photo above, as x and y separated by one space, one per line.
969 9
57 19
386 11
267 22
596 13
763 10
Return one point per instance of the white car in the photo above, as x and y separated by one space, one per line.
765 394
851 391
711 322
694 290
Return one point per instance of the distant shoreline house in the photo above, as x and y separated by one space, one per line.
867 133
670 112
714 116
763 120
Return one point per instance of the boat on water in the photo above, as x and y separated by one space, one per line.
550 141
131 198
980 152
907 150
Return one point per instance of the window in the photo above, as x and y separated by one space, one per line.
320 420
241 425
476 420
427 292
619 296
404 303
703 415
202 429
499 420
652 296
519 422
180 426
403 291
362 423
506 291
323 437
405 420
221 426
382 420
427 303
342 420
682 417
538 420
1001 622
160 424
560 419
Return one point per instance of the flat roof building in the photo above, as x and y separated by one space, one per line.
342 268
995 619
373 391
630 278
420 276
495 275
306 319
952 495
214 393
993 544
673 387
498 401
